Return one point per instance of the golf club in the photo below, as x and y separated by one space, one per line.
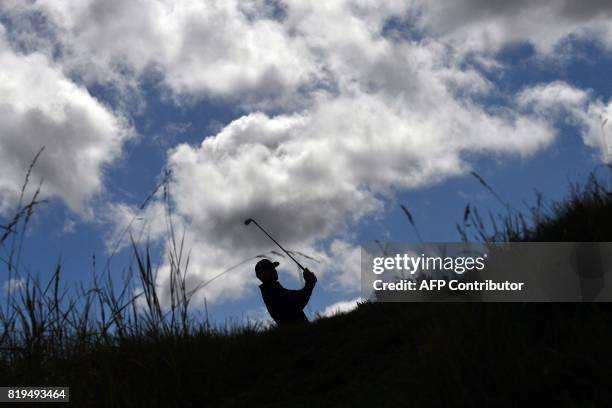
250 220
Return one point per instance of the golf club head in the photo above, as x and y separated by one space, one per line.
248 221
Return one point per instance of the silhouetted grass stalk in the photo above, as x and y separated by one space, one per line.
42 320
582 215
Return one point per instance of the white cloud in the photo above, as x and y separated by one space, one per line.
148 224
273 53
559 102
308 176
224 48
400 115
488 25
556 95
344 263
260 318
13 285
343 306
69 226
39 106
338 115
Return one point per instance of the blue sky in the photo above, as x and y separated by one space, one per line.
316 121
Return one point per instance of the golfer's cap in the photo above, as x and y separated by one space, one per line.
264 263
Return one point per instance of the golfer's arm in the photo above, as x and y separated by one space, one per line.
302 296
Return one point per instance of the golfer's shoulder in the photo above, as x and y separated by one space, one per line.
272 288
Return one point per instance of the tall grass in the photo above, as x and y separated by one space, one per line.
583 215
43 320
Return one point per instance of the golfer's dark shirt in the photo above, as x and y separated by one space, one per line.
285 305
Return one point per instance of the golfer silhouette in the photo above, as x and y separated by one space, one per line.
286 306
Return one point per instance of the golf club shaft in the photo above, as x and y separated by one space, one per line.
279 245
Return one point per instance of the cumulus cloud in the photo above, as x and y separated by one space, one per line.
224 48
343 306
485 25
560 102
344 262
40 106
148 223
308 176
399 115
265 52
340 113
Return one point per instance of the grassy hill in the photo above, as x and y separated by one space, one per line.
380 355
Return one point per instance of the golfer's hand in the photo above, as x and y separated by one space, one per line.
309 277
